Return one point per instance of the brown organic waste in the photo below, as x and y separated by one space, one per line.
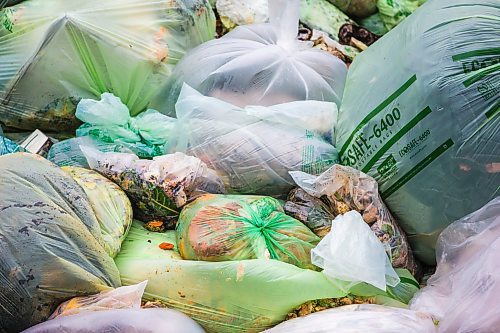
327 303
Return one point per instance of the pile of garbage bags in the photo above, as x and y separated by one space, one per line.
249 166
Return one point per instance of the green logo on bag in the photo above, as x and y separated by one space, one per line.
388 166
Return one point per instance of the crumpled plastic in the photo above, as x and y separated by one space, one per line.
463 293
352 253
108 120
157 188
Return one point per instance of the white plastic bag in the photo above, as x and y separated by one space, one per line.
253 149
259 64
463 293
121 321
351 252
359 318
126 297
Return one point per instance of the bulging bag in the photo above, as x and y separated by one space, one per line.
420 114
53 53
252 149
259 64
51 247
236 227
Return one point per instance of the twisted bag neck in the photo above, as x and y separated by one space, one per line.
284 16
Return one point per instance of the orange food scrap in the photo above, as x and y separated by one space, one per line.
166 246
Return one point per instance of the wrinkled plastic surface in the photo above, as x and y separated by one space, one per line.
108 120
157 188
68 152
424 121
121 321
58 52
126 297
110 204
259 64
352 253
236 227
253 149
345 189
8 146
463 293
229 296
392 12
50 242
360 318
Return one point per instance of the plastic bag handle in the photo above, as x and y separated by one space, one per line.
284 15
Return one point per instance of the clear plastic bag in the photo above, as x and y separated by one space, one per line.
253 149
259 64
121 321
344 189
127 297
108 120
236 227
55 52
360 318
352 253
110 205
68 152
157 188
420 115
463 293
50 242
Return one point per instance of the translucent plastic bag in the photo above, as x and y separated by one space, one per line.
110 205
58 52
127 297
253 149
352 253
230 296
121 321
259 64
420 115
157 188
360 318
463 293
108 120
392 12
50 242
344 189
68 152
236 227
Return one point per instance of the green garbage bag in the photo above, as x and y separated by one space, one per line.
235 227
109 121
51 248
53 53
110 204
425 121
392 12
229 296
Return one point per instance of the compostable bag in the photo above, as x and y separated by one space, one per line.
420 114
229 296
50 242
252 149
53 53
258 64
110 204
235 227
